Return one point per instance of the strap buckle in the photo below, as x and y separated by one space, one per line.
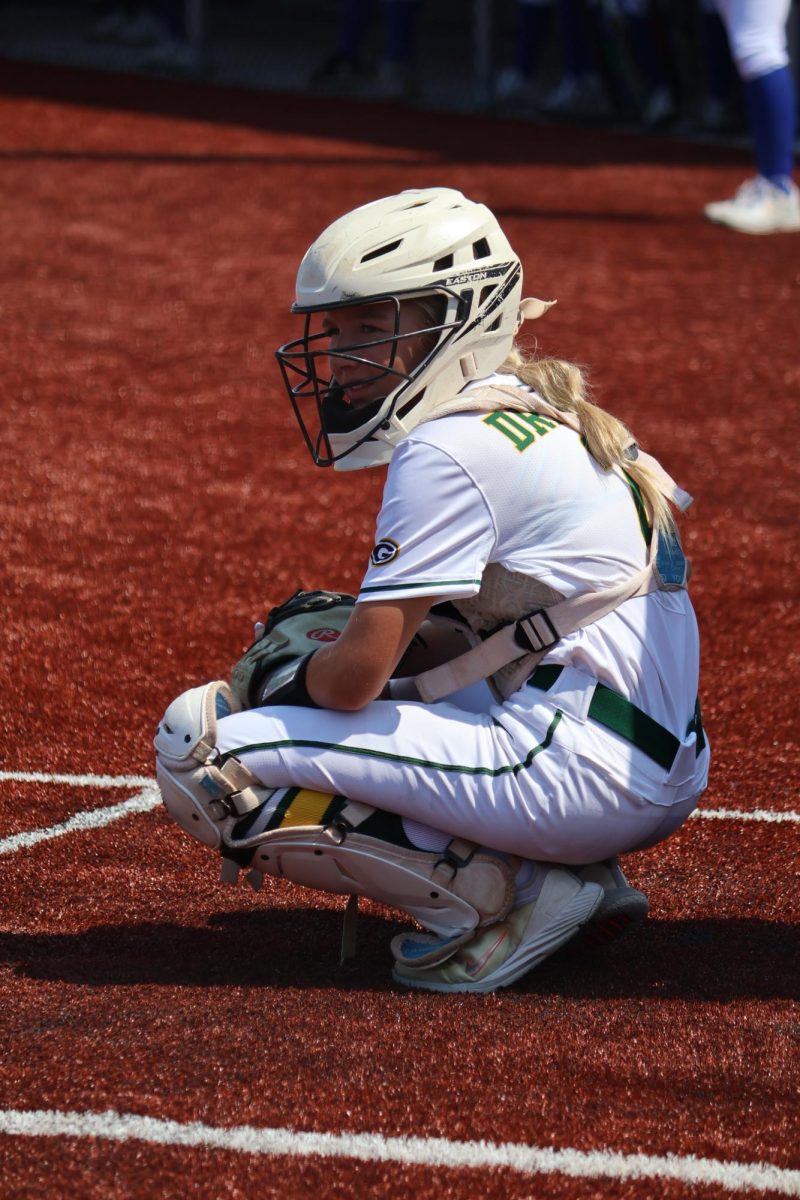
450 856
536 631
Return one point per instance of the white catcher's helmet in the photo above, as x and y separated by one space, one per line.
431 245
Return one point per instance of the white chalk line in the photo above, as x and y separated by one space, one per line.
98 781
741 814
148 798
414 1151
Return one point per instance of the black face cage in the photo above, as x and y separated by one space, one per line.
318 401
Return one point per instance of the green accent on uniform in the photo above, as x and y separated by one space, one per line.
282 808
641 510
696 726
441 585
388 827
385 756
334 808
545 676
521 428
622 717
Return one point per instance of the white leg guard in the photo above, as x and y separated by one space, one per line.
201 796
322 842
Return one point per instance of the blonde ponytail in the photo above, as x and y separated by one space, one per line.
608 440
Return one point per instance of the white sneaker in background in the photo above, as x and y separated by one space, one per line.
759 206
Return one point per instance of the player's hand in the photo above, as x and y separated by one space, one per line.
292 630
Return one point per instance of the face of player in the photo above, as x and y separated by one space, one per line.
367 331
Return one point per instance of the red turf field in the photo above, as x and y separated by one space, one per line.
156 495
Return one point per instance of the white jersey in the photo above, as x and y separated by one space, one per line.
520 490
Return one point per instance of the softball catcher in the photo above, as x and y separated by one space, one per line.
510 702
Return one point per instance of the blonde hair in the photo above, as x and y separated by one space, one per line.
564 386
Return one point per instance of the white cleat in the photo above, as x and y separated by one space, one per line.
500 954
759 206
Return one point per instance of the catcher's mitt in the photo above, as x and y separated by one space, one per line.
291 631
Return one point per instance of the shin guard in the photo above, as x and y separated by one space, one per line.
331 844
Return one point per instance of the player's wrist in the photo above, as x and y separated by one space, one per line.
287 685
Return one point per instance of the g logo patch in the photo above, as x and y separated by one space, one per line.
384 552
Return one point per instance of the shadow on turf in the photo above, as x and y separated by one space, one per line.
529 213
444 136
717 960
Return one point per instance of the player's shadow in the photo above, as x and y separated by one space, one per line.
717 960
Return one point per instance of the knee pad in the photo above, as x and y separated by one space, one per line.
450 892
199 795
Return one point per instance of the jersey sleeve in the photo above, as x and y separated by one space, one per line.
435 531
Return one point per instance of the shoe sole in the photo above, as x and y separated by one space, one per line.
575 913
787 227
620 909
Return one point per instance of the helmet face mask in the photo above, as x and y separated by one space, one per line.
433 251
322 405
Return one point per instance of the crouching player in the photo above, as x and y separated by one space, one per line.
526 554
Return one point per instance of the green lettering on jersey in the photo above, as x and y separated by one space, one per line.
521 428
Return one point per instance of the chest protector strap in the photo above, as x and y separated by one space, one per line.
530 637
